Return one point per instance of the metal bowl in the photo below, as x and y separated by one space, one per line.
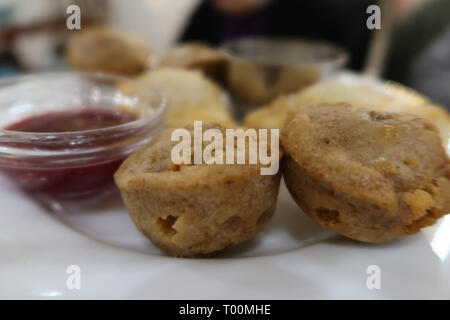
260 69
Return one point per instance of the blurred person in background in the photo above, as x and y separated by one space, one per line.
339 22
418 50
419 54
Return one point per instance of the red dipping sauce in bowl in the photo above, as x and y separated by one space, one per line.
73 120
71 181
52 144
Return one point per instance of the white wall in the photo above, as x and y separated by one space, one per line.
160 21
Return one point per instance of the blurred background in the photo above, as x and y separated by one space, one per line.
412 46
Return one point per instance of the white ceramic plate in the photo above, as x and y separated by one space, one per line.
293 258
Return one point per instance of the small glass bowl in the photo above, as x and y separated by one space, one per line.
73 165
261 69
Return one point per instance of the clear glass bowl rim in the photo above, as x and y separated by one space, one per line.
341 56
159 110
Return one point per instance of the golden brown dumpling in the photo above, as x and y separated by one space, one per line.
368 175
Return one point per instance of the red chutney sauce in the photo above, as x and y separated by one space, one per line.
74 120
73 181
